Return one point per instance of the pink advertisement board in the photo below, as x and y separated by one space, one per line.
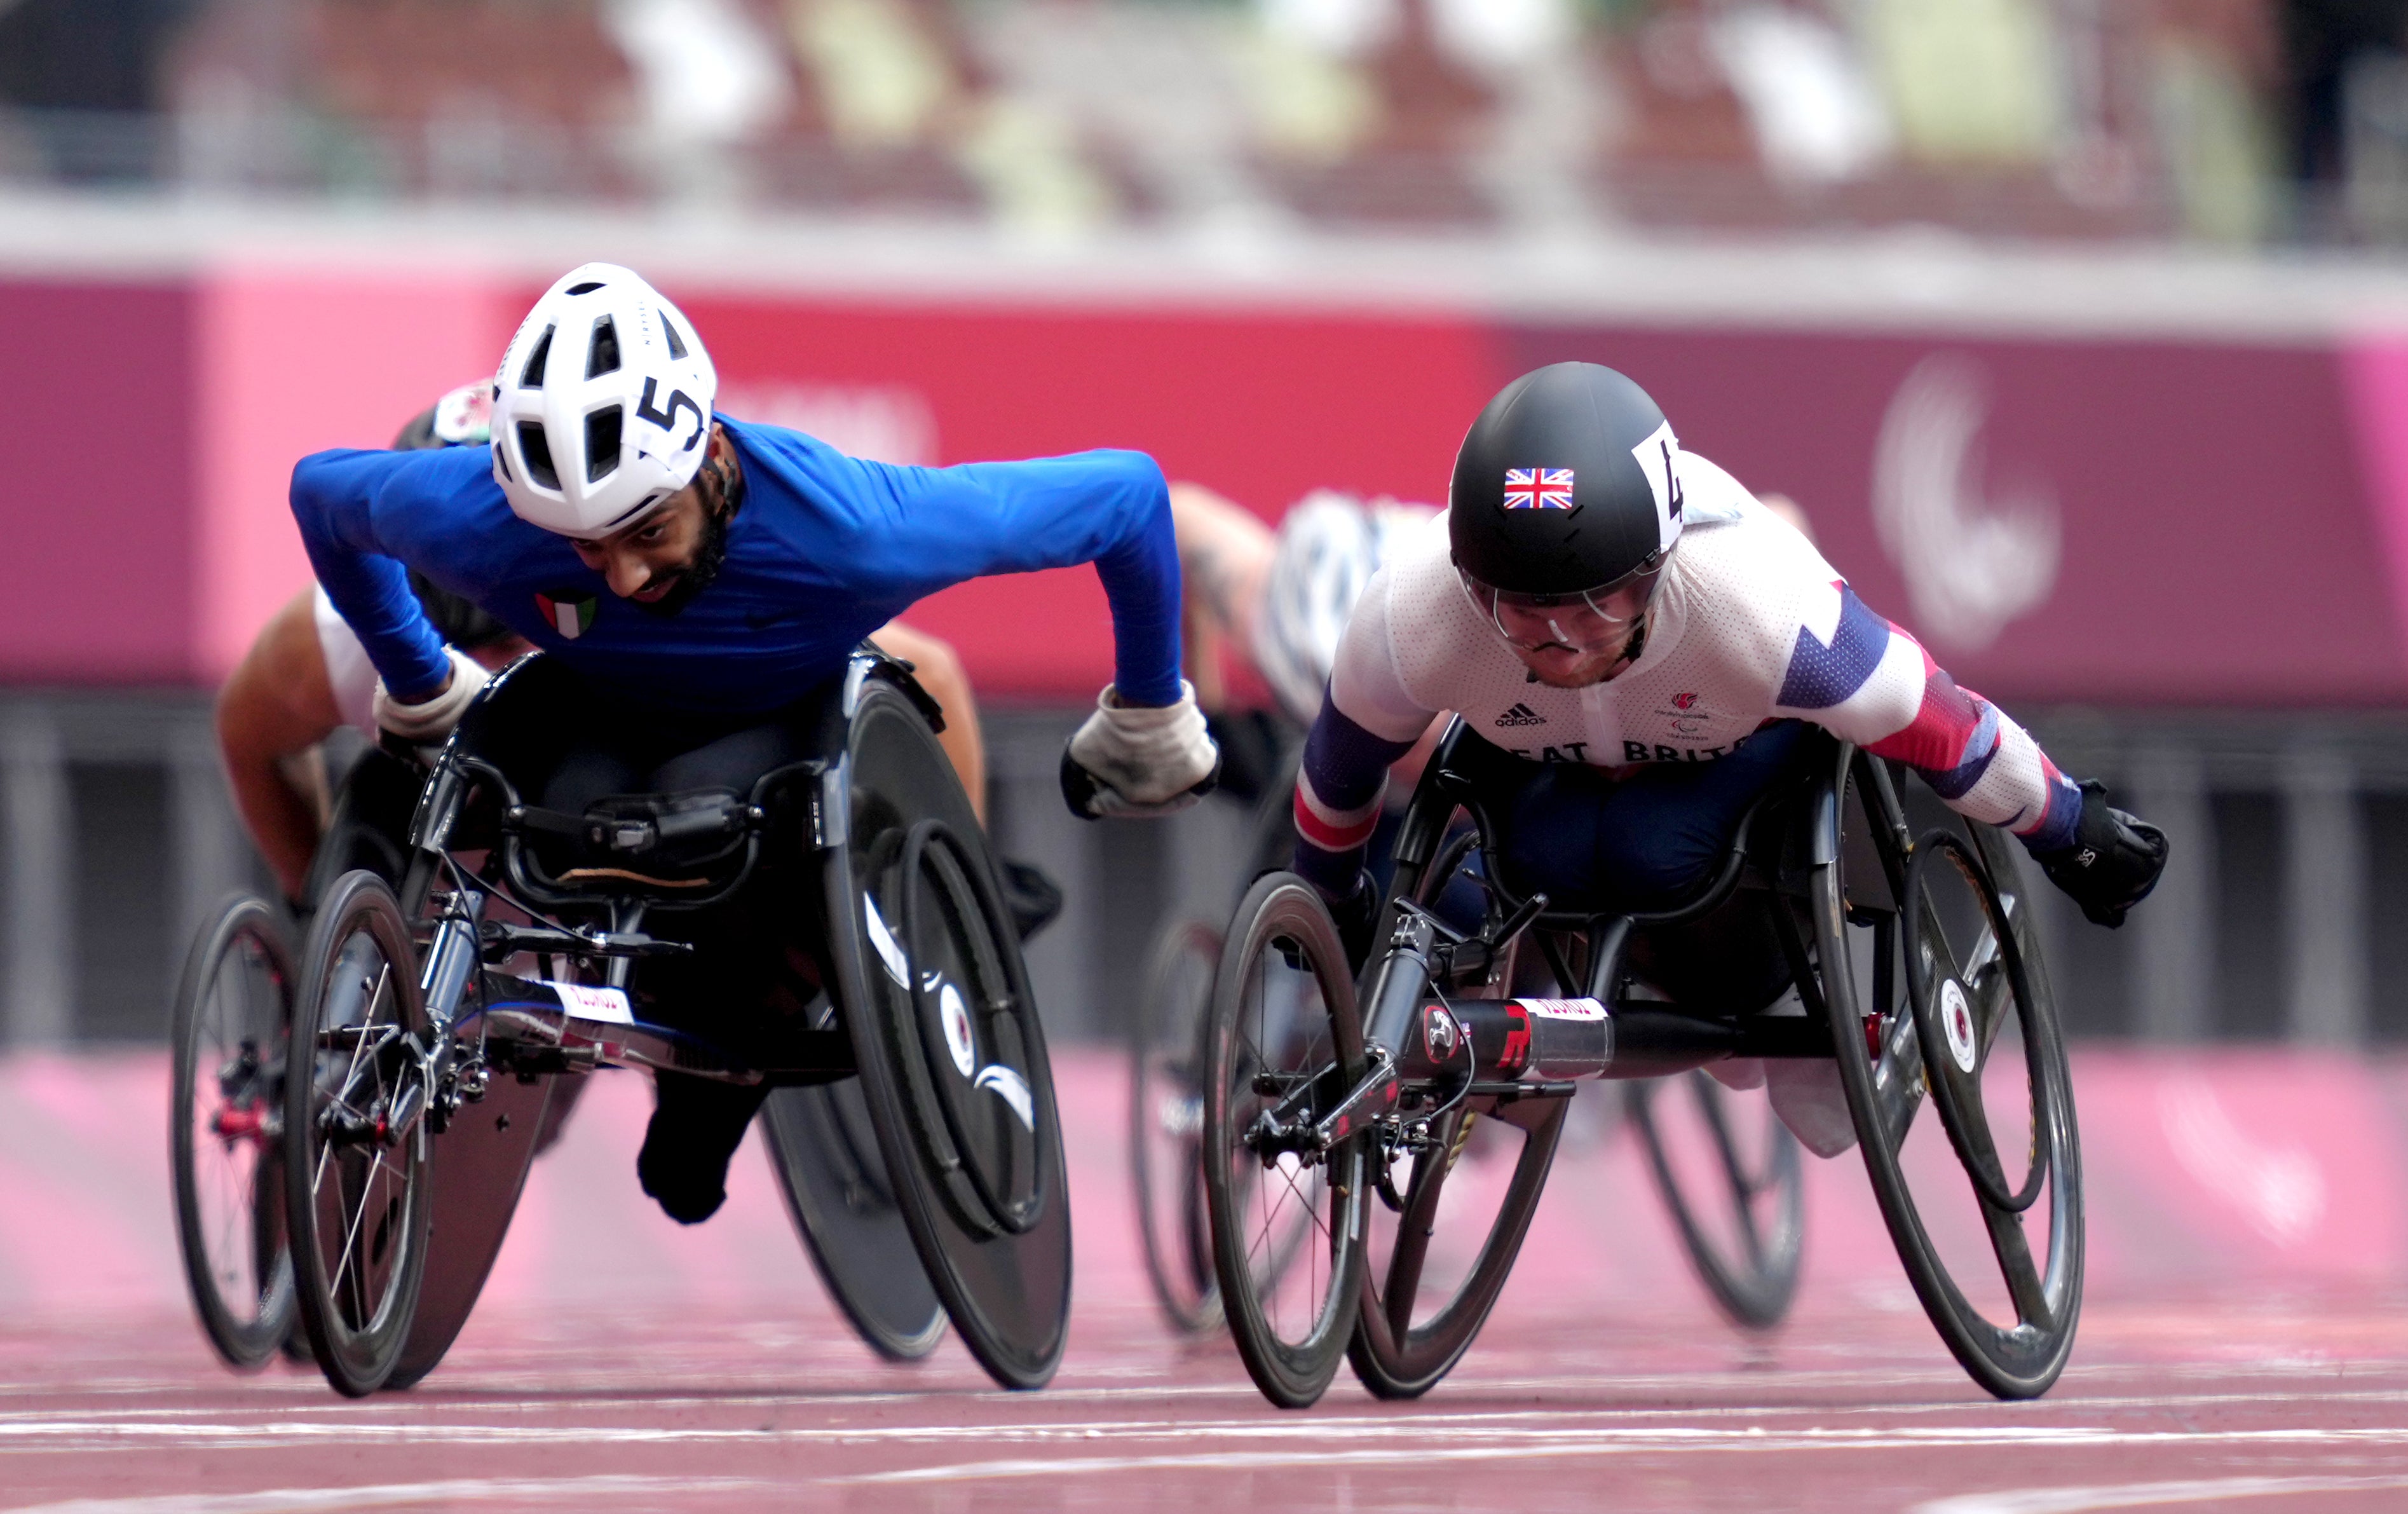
2061 519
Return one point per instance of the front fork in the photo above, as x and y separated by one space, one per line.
1318 1112
440 1080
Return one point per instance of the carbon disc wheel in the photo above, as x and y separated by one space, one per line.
935 998
843 1205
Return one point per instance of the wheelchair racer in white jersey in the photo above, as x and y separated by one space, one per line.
1640 641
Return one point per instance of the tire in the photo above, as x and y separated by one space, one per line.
1938 1182
232 1016
1737 1197
1287 1235
357 1204
1425 1294
1166 1125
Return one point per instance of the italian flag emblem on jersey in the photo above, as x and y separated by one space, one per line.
571 614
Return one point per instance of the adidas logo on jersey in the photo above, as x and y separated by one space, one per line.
1521 714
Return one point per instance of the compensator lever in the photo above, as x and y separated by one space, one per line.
502 940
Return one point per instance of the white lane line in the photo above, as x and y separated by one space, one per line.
395 1494
1643 1443
2149 1494
79 1436
228 1416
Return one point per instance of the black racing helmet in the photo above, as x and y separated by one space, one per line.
462 418
1565 485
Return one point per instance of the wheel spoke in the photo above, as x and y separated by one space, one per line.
1415 1226
1744 1188
2013 1248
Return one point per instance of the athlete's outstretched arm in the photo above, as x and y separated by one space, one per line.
1867 681
1113 509
333 503
279 703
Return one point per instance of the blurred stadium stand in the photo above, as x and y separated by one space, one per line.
1992 268
2217 119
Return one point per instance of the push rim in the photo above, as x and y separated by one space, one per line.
356 1138
1166 1125
232 1014
1935 1211
1287 1236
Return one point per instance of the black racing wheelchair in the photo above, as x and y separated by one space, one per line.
1336 1116
911 1116
1729 1175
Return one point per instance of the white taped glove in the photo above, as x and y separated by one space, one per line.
1140 759
428 724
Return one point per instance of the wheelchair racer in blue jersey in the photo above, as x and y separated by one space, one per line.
700 575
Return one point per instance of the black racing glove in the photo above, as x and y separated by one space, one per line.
2113 862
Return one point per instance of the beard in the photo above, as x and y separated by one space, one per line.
697 575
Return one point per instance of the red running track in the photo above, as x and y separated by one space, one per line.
622 1364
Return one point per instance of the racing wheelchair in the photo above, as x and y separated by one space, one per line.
911 1116
1729 1175
1336 1114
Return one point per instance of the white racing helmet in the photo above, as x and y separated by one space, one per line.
602 407
1330 545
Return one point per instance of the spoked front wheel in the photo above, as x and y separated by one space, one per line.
1287 1222
233 1013
1931 957
355 1136
1167 1124
1730 1176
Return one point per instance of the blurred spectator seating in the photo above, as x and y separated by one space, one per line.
2018 117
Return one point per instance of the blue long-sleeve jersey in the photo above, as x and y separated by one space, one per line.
824 550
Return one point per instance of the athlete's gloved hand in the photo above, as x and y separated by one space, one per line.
426 724
1135 760
2113 862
